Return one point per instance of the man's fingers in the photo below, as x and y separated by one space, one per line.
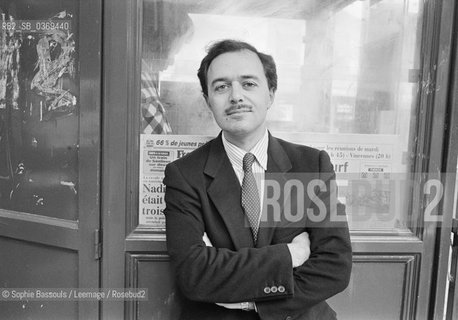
302 237
207 241
307 239
299 249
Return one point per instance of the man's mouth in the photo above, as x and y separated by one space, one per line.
238 109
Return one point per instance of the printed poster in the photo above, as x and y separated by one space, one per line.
371 173
156 151
356 158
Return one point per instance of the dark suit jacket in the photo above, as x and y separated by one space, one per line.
203 195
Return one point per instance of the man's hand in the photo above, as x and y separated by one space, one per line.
299 248
207 241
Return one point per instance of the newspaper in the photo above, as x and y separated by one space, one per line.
360 161
156 151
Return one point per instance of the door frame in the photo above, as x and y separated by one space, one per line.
442 305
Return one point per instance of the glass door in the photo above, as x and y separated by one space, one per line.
50 86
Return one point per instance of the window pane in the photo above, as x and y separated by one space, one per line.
348 83
39 92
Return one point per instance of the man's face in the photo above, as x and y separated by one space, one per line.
238 94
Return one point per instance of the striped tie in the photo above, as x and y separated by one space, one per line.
250 195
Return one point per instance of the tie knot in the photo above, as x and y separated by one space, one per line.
248 160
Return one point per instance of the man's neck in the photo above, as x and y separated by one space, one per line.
245 142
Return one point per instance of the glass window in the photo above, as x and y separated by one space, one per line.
39 92
348 84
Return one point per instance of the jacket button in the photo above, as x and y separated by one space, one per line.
273 289
281 289
266 290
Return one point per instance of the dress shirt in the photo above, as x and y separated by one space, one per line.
236 154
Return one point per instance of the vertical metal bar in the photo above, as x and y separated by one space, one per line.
97 244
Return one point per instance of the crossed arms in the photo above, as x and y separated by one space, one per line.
299 248
221 274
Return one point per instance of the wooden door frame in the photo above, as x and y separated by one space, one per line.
90 53
117 75
449 166
433 116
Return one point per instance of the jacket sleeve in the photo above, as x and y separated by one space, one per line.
209 274
327 271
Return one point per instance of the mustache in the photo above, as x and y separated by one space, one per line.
237 107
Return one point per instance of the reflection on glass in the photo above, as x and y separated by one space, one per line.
348 82
38 107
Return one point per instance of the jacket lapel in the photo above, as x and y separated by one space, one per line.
224 191
278 160
278 163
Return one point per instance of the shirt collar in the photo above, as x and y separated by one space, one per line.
236 154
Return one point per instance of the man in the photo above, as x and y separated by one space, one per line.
233 260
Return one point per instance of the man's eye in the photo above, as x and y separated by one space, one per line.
221 87
249 84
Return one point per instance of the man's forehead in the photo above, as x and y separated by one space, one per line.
244 61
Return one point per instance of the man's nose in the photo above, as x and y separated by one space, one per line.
236 93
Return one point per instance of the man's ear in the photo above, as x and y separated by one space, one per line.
206 100
272 97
